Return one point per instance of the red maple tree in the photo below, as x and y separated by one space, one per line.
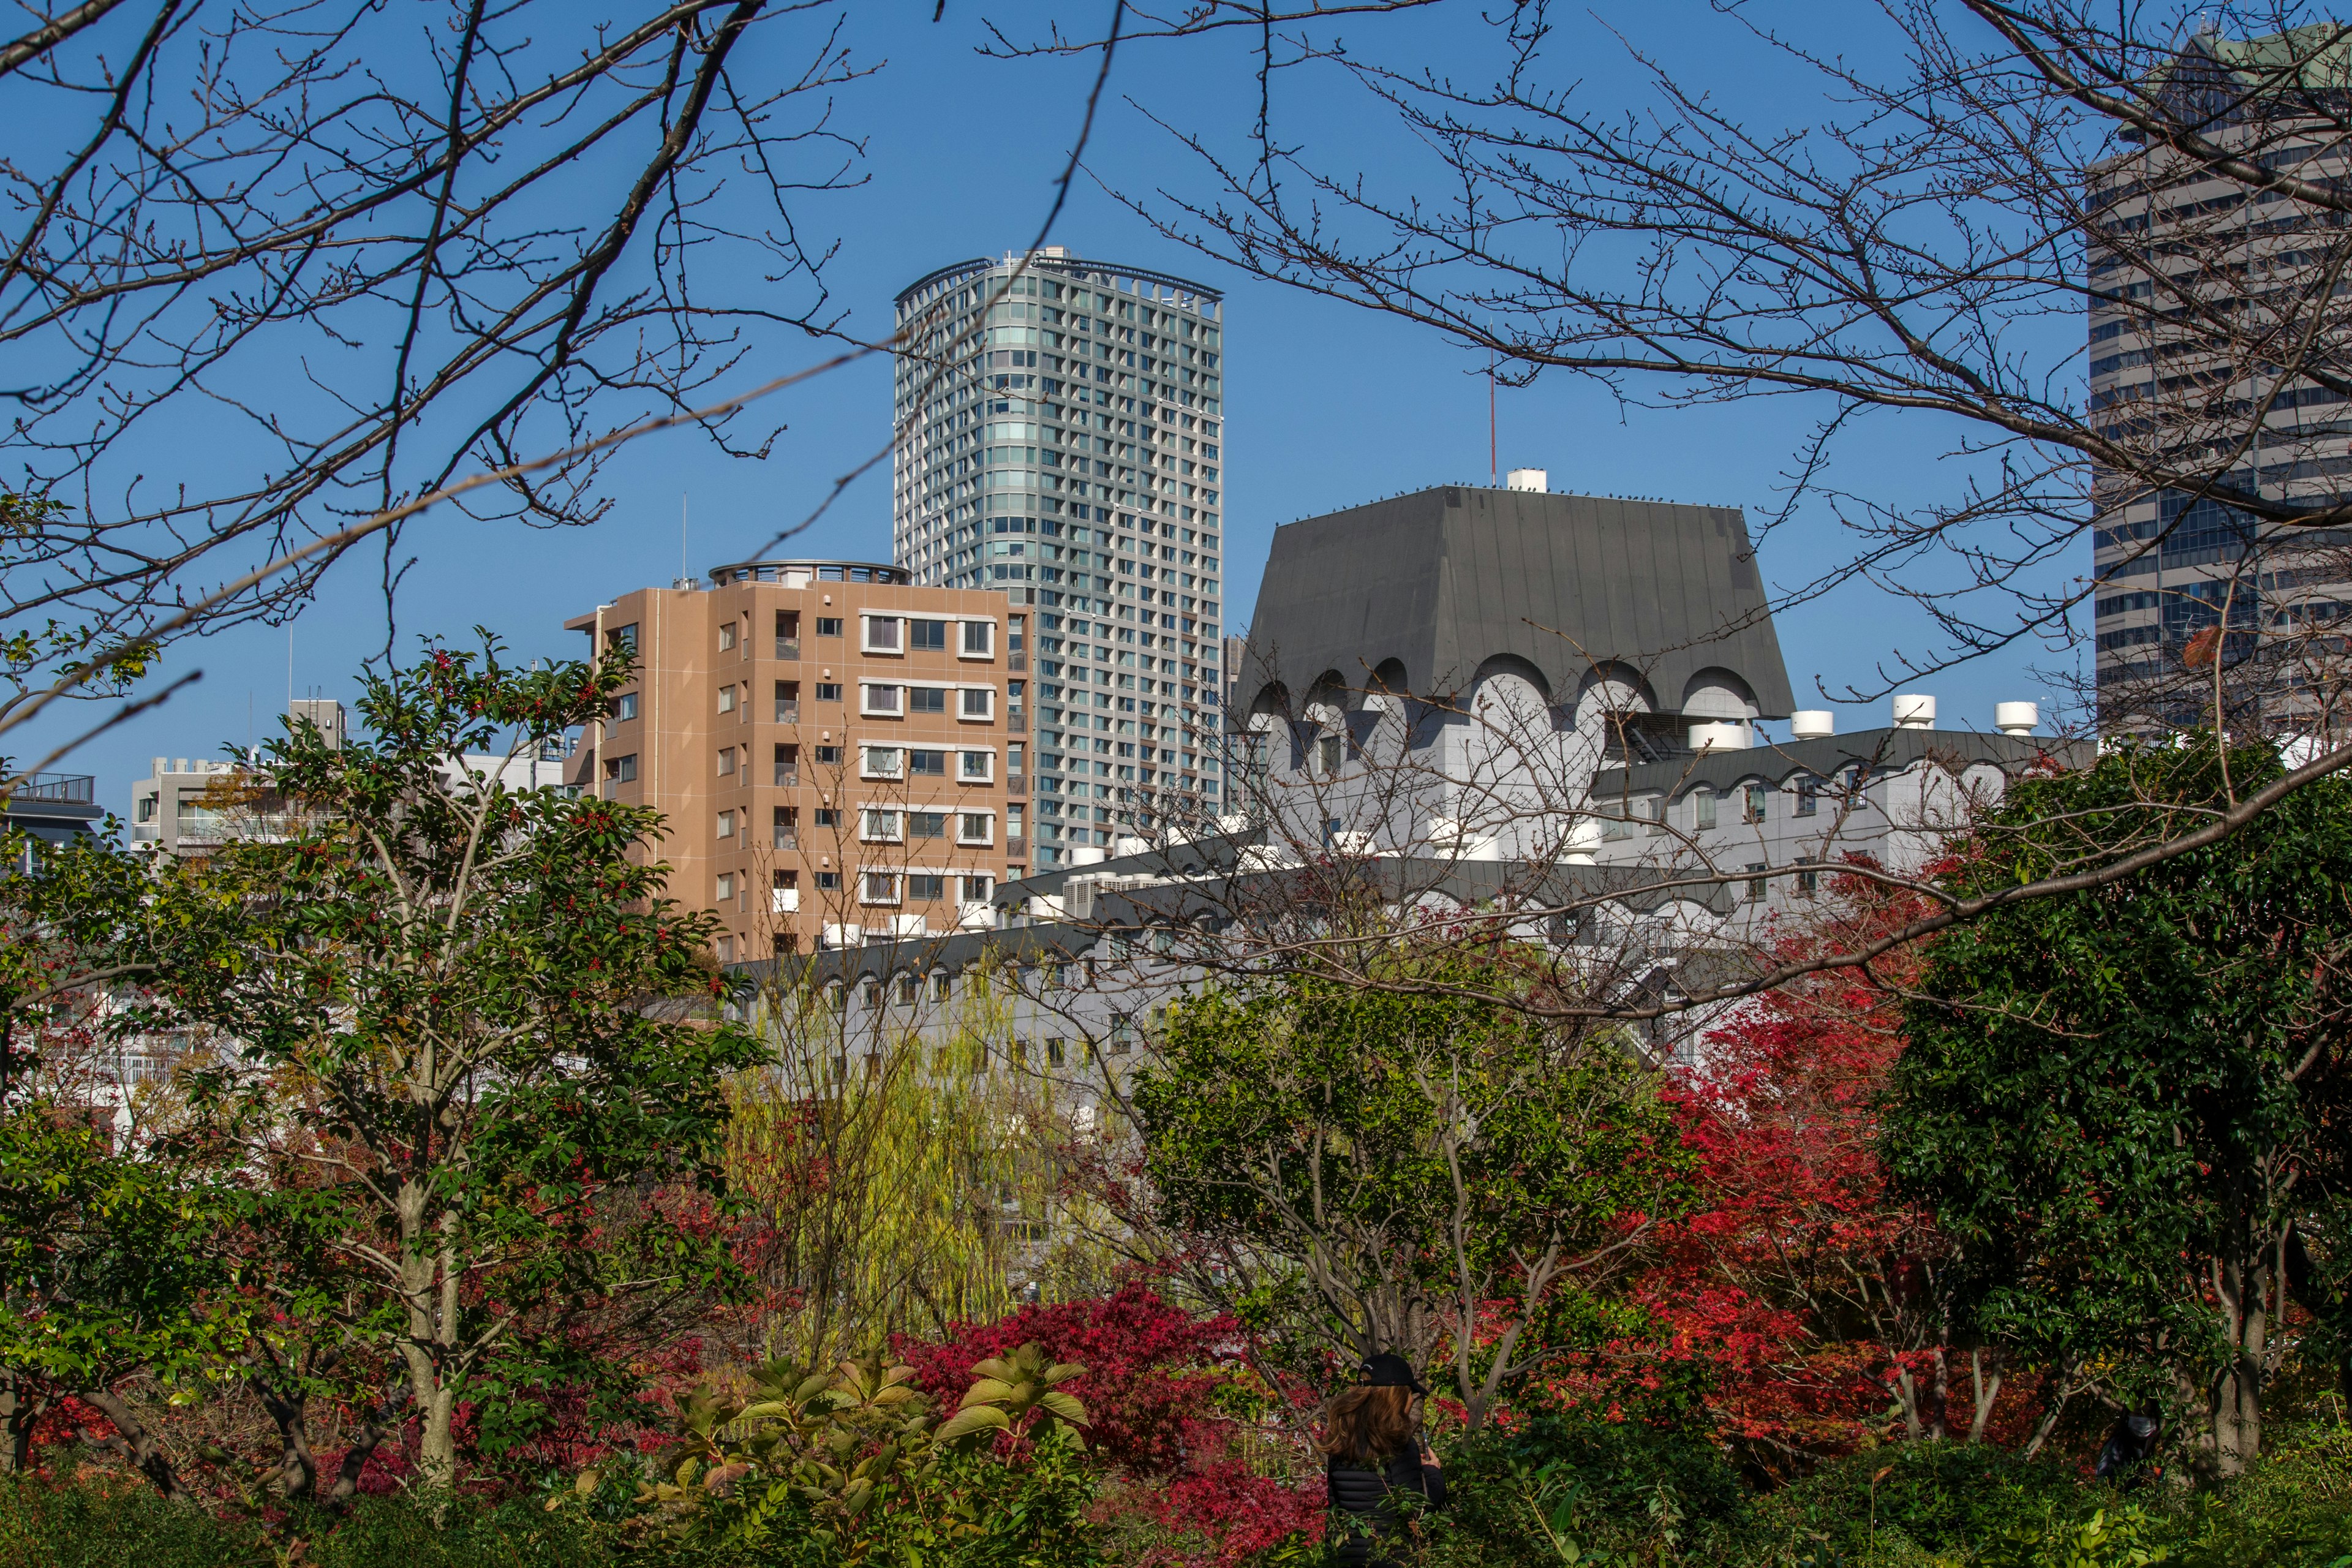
1810 1295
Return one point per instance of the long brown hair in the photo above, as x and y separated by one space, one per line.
1364 1424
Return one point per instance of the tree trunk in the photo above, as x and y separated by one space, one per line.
379 1425
2049 1421
429 1326
1985 1390
2237 1391
1906 1390
20 1411
297 1469
136 1442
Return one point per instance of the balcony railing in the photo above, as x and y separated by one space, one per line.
1016 784
787 838
788 647
788 775
74 789
1015 849
1016 661
788 710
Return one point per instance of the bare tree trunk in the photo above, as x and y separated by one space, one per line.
2237 1392
297 1469
1985 1390
136 1442
2049 1421
19 1412
1907 1390
380 1424
419 1265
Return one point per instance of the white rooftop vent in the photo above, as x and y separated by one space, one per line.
1812 724
1915 711
2016 717
1729 735
1087 854
1536 479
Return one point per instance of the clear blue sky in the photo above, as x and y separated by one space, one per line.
1327 406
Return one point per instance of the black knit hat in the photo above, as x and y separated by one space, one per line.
1390 1370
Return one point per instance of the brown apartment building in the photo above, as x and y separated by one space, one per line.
840 754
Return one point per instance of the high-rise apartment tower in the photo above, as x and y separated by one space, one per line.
2215 313
1061 439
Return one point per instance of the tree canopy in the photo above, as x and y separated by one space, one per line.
1419 1166
2127 1106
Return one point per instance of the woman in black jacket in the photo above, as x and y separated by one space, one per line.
1373 1453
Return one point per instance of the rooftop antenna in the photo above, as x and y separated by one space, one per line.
1493 468
682 573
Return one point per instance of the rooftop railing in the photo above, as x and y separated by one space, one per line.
72 789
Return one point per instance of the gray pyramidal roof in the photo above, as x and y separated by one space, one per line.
1445 579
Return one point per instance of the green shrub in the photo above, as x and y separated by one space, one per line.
1579 1489
2294 1510
1924 1499
122 1526
114 1525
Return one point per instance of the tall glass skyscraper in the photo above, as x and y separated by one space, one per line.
1061 437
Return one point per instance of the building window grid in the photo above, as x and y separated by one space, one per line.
1184 332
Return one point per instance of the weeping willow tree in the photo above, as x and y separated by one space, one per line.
903 1189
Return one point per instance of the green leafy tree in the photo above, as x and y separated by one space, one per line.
111 1270
107 1263
1420 1167
483 1055
2127 1106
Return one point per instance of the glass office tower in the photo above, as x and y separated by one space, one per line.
1061 439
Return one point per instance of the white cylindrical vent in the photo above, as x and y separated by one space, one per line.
1087 854
1718 737
2016 717
1536 479
1915 711
1812 723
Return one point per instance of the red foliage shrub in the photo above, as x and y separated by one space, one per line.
1149 1368
1152 1374
1238 1513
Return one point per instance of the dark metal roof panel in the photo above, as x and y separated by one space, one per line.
1445 579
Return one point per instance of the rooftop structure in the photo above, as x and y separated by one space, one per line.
56 808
